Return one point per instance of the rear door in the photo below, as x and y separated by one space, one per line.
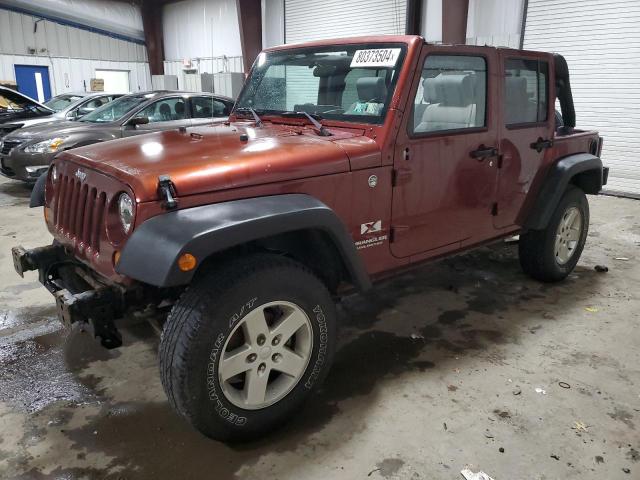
164 114
526 129
445 160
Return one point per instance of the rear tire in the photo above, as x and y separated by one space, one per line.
550 255
226 346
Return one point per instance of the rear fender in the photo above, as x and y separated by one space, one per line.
583 170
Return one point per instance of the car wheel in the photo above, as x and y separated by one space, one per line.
246 344
551 254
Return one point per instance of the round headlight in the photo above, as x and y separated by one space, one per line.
54 174
125 209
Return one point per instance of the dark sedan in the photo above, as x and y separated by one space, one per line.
27 152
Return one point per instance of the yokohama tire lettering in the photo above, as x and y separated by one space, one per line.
322 350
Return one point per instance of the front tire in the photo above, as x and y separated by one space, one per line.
245 346
550 255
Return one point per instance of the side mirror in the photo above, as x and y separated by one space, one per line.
72 115
135 121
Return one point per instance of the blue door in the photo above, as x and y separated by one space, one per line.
33 81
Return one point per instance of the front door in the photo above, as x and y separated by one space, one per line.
526 130
33 81
446 154
165 114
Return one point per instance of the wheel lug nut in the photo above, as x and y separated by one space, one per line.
262 368
276 340
276 357
252 358
261 339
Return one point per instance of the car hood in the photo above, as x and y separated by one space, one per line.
215 157
53 129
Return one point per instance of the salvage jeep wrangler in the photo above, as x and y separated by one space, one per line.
343 162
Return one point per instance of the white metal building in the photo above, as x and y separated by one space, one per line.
601 41
73 43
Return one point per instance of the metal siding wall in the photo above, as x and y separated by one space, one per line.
71 54
601 41
495 22
56 40
200 29
307 20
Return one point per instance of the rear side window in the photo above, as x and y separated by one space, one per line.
525 91
452 94
208 107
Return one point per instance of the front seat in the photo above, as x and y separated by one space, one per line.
165 112
372 93
452 103
179 108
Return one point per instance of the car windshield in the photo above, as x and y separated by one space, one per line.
340 82
61 102
116 110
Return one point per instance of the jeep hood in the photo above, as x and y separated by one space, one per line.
215 157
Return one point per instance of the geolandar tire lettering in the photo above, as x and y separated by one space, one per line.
236 365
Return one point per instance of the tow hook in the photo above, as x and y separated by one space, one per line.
167 190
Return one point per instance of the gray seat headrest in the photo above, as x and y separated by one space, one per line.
450 90
516 88
371 89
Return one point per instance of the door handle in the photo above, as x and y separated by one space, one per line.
541 144
483 152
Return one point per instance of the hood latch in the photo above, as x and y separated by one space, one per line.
167 191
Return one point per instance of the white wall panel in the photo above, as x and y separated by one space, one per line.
307 20
495 22
201 28
601 41
17 37
272 23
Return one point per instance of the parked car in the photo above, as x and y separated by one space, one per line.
16 107
26 153
344 162
67 106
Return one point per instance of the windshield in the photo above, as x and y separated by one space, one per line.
341 82
61 102
114 111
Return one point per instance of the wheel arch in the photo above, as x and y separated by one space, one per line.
296 225
583 170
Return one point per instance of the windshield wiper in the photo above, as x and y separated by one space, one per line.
323 132
253 112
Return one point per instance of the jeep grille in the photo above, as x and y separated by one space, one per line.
79 211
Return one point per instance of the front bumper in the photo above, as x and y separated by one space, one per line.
27 167
80 295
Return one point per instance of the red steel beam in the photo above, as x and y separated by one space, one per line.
454 21
250 23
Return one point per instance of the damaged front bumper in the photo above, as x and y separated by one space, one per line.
81 296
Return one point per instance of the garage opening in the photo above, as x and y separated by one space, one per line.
115 81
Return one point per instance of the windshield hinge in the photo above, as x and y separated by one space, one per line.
167 191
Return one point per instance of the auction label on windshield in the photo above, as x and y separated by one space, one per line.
376 57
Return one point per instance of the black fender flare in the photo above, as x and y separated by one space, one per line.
37 194
555 184
151 254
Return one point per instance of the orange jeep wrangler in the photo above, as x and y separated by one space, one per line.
343 162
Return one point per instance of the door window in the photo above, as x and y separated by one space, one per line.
452 94
166 110
525 91
208 107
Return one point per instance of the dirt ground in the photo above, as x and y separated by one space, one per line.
464 362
